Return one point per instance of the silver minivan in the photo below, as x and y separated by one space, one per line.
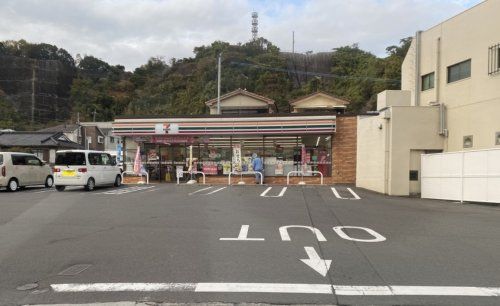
23 169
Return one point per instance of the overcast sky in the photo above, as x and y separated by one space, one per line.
128 32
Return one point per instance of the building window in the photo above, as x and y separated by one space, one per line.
497 138
428 81
468 141
111 139
494 59
100 139
459 71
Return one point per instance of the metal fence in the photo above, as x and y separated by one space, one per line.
472 176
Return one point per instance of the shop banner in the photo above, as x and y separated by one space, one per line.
237 158
172 139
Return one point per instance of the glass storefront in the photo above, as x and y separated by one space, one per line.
213 155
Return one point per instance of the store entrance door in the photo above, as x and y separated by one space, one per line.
172 158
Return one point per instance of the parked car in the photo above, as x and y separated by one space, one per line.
85 168
19 170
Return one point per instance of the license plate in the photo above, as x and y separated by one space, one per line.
68 173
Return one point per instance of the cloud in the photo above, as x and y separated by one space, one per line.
128 32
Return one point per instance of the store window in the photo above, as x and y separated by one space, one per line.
215 155
318 149
279 154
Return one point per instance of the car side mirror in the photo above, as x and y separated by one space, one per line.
113 162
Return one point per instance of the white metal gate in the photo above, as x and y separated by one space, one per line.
462 176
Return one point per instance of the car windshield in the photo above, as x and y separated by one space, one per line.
70 159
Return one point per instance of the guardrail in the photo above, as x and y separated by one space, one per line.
140 174
302 172
246 172
190 172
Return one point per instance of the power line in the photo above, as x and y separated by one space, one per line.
321 74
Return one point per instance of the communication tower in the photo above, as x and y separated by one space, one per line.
255 25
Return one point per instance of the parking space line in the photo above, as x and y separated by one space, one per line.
335 192
264 193
126 190
295 288
203 189
216 190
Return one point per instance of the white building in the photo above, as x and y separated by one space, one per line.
450 101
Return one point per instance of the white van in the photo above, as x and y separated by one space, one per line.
85 168
23 169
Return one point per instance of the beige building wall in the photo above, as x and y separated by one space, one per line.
473 104
386 143
239 102
319 102
371 152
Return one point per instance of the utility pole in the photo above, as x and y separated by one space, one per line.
293 42
93 113
78 118
33 81
218 83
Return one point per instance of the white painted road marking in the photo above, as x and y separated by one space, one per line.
282 288
207 188
126 190
216 190
282 192
335 192
315 262
285 237
377 237
202 189
243 235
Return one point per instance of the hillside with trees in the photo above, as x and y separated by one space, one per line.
90 88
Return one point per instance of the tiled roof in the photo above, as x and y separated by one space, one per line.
36 139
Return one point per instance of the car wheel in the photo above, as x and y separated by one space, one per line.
60 188
49 182
118 181
90 184
12 185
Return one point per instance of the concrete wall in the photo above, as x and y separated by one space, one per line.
384 146
412 128
473 104
393 98
371 153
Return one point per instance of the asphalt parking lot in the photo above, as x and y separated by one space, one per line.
254 244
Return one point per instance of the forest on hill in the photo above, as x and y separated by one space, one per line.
90 87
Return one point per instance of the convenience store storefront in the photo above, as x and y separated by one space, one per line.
280 140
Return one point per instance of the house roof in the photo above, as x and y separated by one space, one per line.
64 128
319 93
243 92
36 139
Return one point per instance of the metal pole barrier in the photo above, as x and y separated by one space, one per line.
301 172
141 174
190 172
248 172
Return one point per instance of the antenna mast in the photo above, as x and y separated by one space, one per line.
255 25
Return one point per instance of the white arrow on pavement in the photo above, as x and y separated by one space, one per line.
319 265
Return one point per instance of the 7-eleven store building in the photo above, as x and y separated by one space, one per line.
329 141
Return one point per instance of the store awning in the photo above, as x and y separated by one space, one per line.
317 124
